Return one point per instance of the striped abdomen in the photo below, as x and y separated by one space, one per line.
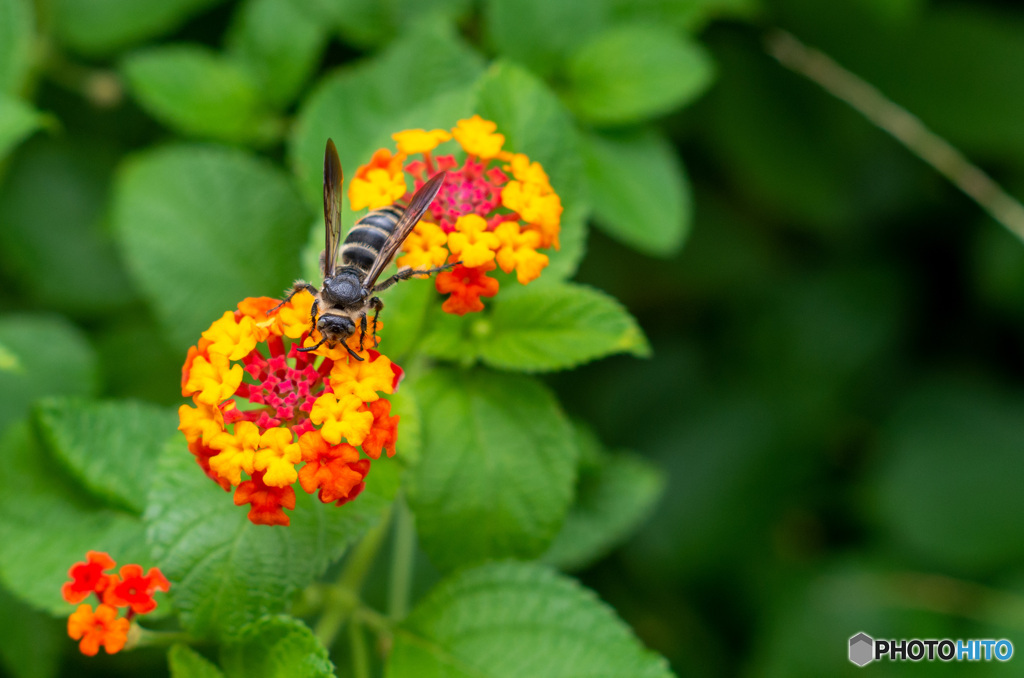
368 236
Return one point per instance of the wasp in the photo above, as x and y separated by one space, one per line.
349 290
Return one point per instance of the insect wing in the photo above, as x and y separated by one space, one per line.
332 207
413 213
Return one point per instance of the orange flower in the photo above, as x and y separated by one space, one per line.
102 627
134 590
335 470
384 432
267 503
378 183
466 286
88 577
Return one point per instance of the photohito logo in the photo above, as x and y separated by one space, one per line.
864 649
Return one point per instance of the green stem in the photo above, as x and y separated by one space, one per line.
403 561
360 653
337 609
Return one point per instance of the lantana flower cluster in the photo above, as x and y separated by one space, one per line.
129 588
496 210
266 415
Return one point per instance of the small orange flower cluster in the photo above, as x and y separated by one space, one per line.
481 217
130 588
262 407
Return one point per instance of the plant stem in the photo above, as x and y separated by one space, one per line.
901 124
141 637
402 561
360 653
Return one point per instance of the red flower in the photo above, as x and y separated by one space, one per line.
88 577
267 503
133 589
466 286
384 432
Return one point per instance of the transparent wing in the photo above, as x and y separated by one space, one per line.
332 206
413 213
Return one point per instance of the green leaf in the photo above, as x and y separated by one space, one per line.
614 493
100 27
229 572
33 641
17 121
640 192
405 405
67 366
687 15
199 92
497 469
49 524
52 205
369 23
505 620
423 64
405 312
536 123
946 440
187 663
111 447
279 44
204 227
16 34
540 329
533 32
278 647
633 73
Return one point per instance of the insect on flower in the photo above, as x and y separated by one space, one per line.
348 291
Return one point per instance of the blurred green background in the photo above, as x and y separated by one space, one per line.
835 390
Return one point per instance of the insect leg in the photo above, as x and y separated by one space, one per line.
410 272
350 352
376 304
313 348
312 314
362 327
296 288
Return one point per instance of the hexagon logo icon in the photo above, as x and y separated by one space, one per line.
862 649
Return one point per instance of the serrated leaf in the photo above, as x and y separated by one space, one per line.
52 207
614 493
533 32
539 329
199 92
17 121
184 662
49 524
279 44
558 327
633 73
228 572
498 462
111 447
278 647
100 27
640 192
507 620
202 228
536 123
16 33
67 366
425 63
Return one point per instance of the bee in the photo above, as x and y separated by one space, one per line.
349 290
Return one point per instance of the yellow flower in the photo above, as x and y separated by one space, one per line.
529 172
293 318
237 451
519 251
539 207
425 248
200 423
379 188
278 455
215 379
472 242
419 141
362 379
233 339
340 418
477 137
